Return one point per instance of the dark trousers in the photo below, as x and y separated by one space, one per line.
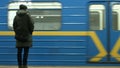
22 59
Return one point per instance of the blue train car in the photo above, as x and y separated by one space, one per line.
67 32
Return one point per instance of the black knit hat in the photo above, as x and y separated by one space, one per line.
24 7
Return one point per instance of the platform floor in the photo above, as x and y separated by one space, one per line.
63 67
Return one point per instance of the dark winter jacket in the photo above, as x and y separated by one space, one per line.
23 18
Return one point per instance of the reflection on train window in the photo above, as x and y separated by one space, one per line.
115 17
96 17
46 15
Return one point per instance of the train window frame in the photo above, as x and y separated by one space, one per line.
101 11
52 7
116 9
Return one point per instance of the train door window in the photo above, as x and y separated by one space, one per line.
46 15
96 17
116 17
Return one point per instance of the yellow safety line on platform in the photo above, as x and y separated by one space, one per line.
92 34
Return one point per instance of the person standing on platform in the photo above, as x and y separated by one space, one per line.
23 26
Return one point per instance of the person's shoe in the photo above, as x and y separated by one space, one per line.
20 66
25 66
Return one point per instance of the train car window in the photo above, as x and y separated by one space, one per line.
96 17
46 19
46 15
115 20
115 17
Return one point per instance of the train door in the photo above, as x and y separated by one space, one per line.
104 31
115 31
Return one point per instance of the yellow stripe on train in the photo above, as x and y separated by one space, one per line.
102 51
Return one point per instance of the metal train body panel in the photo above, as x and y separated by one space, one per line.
85 34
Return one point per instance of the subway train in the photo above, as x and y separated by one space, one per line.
66 33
